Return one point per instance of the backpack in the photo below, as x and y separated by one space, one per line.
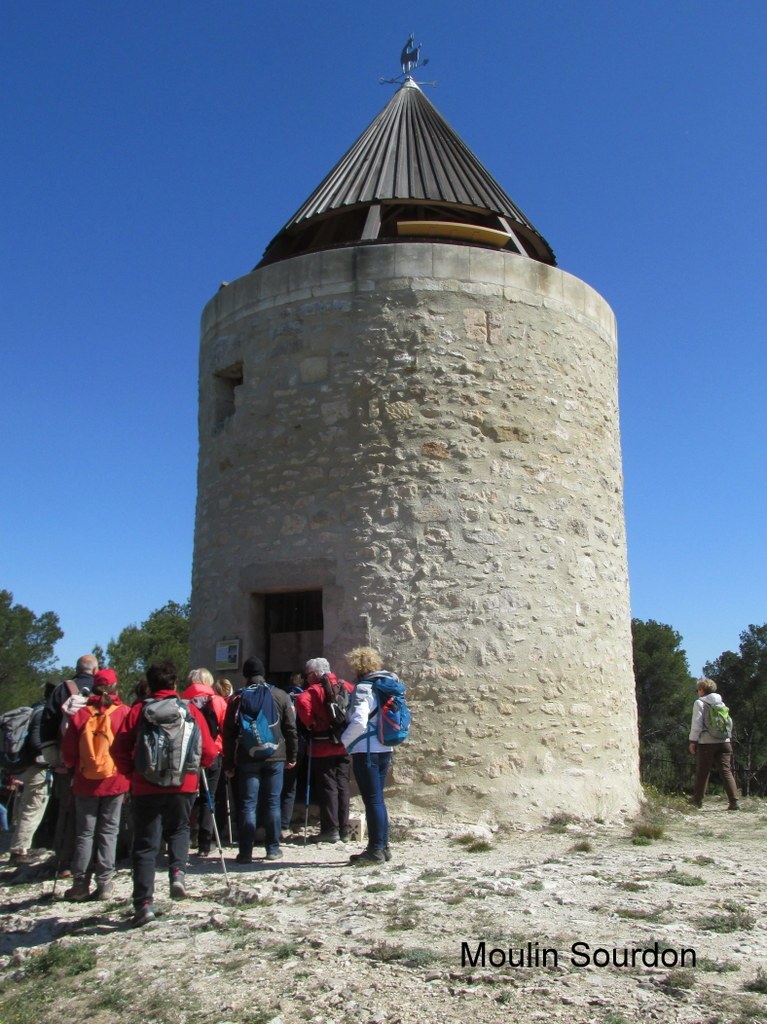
14 732
257 717
393 717
51 751
717 721
96 738
204 705
74 702
338 703
168 742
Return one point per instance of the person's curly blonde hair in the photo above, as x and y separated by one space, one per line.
364 660
223 687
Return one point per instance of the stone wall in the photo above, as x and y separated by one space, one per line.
429 432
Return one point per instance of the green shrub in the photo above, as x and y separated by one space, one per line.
558 822
679 979
647 830
582 846
716 966
759 983
473 844
63 959
682 878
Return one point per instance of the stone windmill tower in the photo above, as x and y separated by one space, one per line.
409 437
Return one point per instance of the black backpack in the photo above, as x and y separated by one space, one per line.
14 739
204 705
338 703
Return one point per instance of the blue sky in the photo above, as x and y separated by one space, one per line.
153 150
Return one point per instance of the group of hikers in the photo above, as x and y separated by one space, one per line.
171 753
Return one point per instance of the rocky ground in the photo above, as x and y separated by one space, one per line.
312 939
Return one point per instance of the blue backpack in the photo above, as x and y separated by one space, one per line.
257 719
390 722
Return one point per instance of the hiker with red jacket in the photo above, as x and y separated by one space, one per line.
162 744
321 709
200 691
99 787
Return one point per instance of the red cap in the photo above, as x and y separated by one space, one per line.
105 679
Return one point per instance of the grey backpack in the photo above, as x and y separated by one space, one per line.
168 743
14 733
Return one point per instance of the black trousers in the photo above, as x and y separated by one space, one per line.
330 779
162 816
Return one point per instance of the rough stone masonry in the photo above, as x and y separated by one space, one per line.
429 433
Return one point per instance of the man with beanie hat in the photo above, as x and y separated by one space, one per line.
259 767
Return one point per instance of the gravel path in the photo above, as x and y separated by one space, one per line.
570 923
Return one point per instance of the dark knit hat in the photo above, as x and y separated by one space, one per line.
253 667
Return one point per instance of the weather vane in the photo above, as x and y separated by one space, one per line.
410 60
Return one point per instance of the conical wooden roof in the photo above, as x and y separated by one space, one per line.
409 174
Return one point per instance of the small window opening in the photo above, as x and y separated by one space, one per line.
225 384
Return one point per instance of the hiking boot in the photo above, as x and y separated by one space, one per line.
79 891
368 857
177 887
328 837
203 852
20 858
104 891
143 913
733 806
244 858
274 854
387 853
345 835
694 803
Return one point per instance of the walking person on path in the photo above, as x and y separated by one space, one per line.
710 743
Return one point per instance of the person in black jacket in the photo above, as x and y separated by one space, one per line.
50 727
260 773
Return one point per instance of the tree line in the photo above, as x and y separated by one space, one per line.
665 689
27 643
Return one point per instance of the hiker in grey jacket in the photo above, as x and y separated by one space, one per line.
709 747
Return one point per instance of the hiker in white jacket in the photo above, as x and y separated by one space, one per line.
708 745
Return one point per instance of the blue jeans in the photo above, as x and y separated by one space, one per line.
267 777
370 779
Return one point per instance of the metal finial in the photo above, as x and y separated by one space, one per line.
410 60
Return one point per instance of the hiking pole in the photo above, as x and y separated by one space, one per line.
227 793
212 808
308 784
